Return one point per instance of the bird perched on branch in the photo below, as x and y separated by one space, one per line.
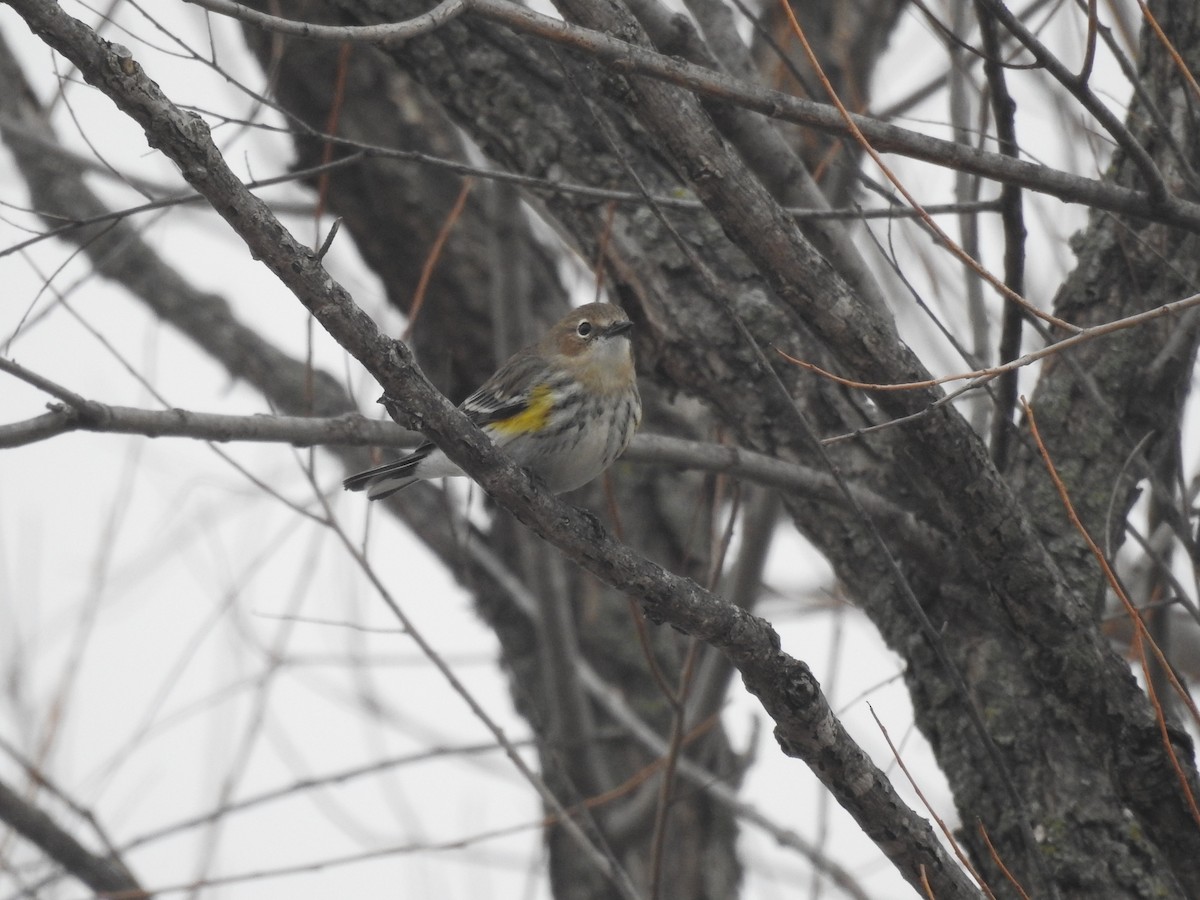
564 408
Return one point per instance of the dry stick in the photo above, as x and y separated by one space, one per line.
642 775
982 376
1138 155
1159 714
1000 863
331 126
598 852
658 841
328 242
598 267
384 35
1166 42
931 634
925 884
435 253
635 609
179 200
941 823
679 700
948 241
749 641
1089 52
628 58
1013 219
1139 626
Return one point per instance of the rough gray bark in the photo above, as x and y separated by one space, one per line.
805 725
1010 591
1002 598
493 286
848 38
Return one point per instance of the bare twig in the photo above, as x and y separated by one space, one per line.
626 57
1000 863
106 877
383 35
596 851
1180 64
1013 216
177 200
941 823
1141 633
805 725
328 242
980 376
1004 290
435 252
1079 89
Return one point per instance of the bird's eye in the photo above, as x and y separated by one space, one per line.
584 328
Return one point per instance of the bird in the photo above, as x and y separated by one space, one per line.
564 407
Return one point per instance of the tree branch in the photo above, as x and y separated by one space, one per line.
103 875
628 58
355 430
805 725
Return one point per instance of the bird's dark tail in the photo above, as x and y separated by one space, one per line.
385 480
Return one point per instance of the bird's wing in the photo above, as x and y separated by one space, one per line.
506 394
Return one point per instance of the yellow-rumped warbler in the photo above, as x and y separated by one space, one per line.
564 408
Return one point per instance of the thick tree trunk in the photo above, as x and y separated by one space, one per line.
1064 715
492 289
979 581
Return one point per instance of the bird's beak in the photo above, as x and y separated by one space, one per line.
617 328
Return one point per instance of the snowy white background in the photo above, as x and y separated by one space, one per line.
173 637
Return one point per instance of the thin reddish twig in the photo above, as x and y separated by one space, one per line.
1139 647
331 125
987 374
925 884
658 842
643 634
1089 53
1139 626
610 215
435 253
638 778
1000 862
945 829
891 176
680 696
1166 42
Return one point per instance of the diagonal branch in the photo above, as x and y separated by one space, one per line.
805 724
107 877
624 57
1077 86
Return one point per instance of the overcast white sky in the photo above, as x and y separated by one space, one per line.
172 635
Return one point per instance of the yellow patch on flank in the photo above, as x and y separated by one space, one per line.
532 418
